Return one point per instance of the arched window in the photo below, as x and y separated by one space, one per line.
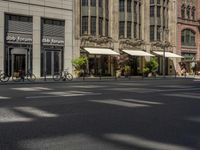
188 38
183 11
188 12
193 13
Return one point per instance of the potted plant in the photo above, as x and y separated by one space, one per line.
151 67
79 64
127 70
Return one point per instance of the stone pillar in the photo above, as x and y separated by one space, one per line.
2 40
68 50
36 45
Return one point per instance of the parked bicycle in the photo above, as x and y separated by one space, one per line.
4 77
64 75
21 76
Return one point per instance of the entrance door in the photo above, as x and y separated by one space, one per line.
52 62
19 62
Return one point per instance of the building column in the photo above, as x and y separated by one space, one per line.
2 40
68 50
36 45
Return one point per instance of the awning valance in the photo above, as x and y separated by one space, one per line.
167 54
101 51
137 53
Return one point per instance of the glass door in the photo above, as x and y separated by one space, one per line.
19 63
52 62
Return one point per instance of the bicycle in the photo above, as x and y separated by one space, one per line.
21 76
4 77
63 75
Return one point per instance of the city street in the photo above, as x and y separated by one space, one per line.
101 115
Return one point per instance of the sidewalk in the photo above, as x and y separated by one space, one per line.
101 79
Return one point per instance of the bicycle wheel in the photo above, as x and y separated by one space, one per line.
57 77
69 76
31 77
4 77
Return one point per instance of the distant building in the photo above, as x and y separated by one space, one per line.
128 27
188 30
36 35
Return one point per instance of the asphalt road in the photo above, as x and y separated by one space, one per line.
107 115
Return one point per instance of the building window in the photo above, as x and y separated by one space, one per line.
129 5
93 25
152 11
183 11
151 1
129 29
158 1
152 29
93 3
100 26
188 38
158 11
84 25
100 3
121 29
135 30
121 5
188 12
84 2
158 33
106 29
193 13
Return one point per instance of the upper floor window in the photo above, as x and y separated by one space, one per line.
183 11
152 13
84 2
188 38
93 25
158 11
121 5
129 5
121 29
84 25
193 13
100 3
93 3
188 12
151 1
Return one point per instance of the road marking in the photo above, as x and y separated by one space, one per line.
9 116
32 89
183 96
119 103
62 94
144 102
36 112
2 97
144 143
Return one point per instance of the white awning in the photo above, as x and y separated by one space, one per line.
101 51
137 53
168 54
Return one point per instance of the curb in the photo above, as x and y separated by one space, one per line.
98 80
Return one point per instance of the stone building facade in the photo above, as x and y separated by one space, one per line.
188 44
36 36
118 25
